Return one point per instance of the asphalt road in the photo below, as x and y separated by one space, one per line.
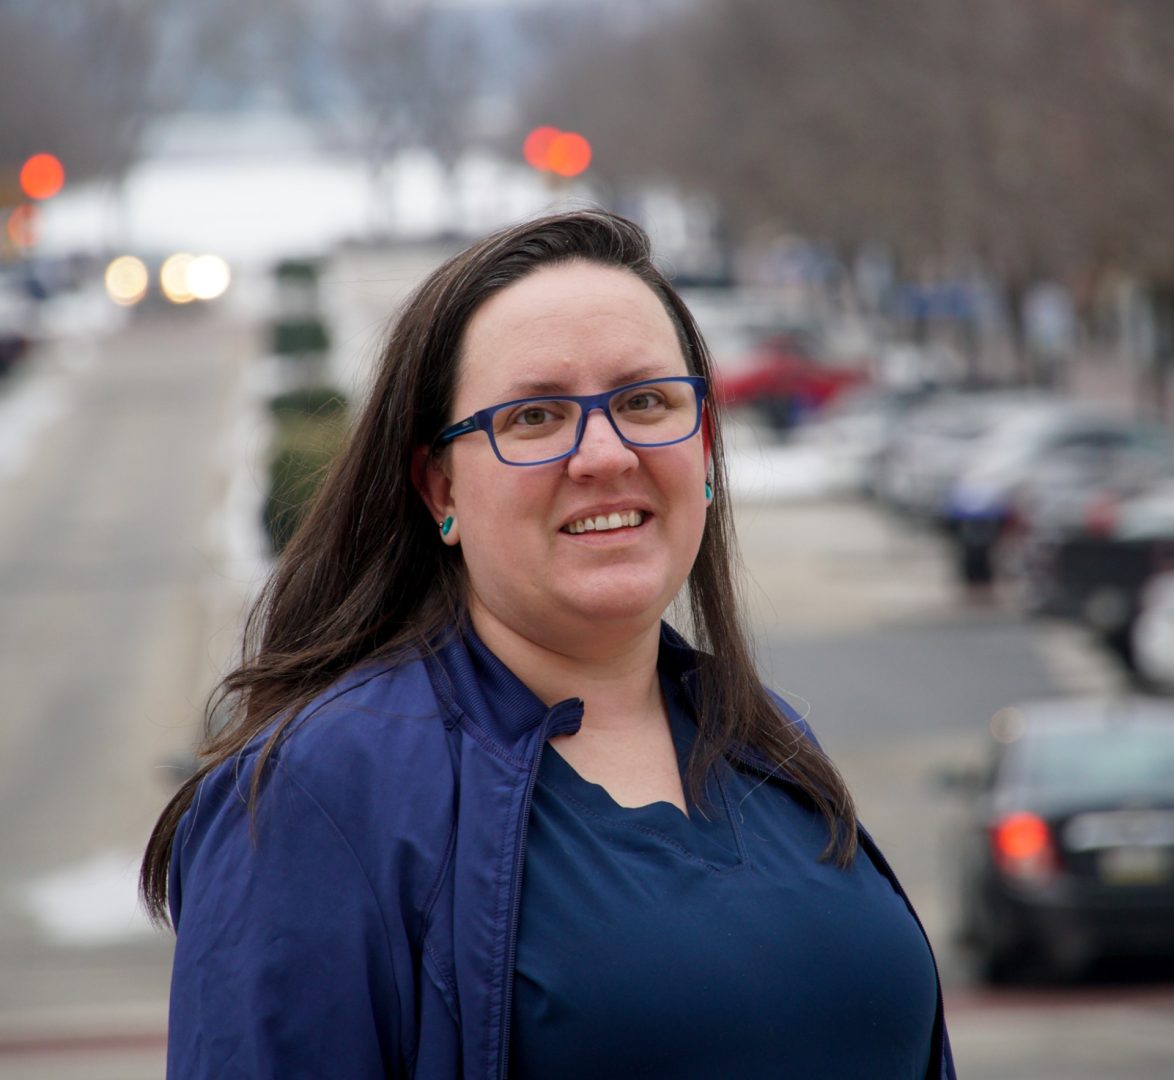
118 600
113 599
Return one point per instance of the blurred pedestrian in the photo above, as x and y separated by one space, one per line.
479 811
1049 327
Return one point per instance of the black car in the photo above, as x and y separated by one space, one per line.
980 507
1068 852
1097 569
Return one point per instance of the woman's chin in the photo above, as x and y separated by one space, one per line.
618 604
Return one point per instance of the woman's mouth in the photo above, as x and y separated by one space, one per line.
617 519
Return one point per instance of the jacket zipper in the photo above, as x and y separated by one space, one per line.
516 899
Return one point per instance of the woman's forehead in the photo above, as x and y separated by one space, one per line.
566 326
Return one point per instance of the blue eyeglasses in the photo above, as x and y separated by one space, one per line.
539 430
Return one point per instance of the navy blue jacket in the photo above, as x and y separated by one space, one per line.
365 924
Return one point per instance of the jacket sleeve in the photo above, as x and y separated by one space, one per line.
283 963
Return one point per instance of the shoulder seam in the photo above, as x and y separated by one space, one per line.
295 782
420 942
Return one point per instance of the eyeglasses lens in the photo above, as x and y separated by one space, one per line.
650 414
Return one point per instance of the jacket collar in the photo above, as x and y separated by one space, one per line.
467 675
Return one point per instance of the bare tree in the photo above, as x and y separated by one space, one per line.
1036 139
1033 134
72 82
413 72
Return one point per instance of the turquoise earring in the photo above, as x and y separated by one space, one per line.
708 492
446 526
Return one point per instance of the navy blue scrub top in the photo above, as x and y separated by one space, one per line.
657 945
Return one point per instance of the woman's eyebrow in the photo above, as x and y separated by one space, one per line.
534 388
555 388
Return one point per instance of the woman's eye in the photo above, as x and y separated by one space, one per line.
534 417
642 402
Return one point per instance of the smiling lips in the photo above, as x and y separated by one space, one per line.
622 519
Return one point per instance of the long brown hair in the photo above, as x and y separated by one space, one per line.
365 575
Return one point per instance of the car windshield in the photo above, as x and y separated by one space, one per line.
1125 761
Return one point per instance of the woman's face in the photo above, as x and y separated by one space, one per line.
577 328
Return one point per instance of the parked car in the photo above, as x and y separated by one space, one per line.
13 345
980 502
935 443
782 378
1100 572
854 432
1075 493
1067 855
15 324
1152 642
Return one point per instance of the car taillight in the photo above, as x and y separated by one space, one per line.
1024 849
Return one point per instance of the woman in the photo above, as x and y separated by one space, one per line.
480 813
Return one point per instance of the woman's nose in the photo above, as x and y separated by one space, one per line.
601 450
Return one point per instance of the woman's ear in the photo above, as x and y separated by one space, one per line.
432 482
706 434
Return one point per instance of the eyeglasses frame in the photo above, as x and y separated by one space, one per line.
482 419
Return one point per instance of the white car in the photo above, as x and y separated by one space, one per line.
1153 632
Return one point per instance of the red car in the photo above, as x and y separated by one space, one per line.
781 378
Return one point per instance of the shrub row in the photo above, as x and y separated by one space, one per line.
310 427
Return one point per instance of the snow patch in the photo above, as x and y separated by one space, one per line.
31 407
760 471
93 902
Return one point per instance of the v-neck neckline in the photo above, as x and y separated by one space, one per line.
708 833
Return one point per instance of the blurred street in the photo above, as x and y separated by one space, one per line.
120 599
111 573
928 247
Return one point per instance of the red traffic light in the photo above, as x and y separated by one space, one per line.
536 148
564 153
570 154
42 176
